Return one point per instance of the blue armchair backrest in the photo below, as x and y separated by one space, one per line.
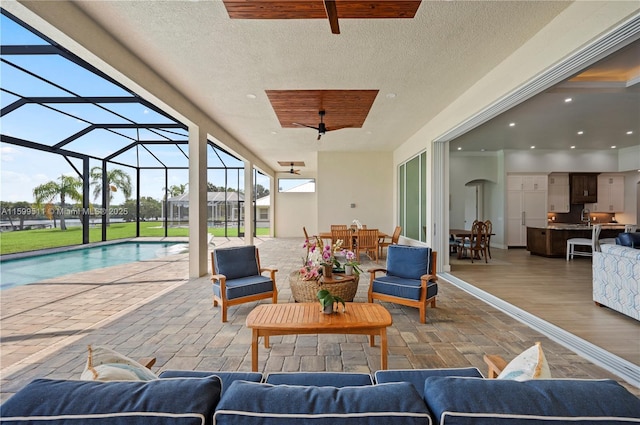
408 262
236 262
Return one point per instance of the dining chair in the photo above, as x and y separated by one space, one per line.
345 235
384 242
367 243
237 277
489 232
590 242
602 241
477 243
630 228
338 227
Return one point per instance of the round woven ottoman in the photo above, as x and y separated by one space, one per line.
304 291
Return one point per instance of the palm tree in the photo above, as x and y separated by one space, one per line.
67 186
116 179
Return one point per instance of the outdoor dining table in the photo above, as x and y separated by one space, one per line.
327 235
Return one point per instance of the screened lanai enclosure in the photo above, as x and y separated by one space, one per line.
81 151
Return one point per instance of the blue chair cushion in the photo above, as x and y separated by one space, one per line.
226 378
246 286
186 401
236 262
418 376
629 239
409 262
248 403
320 379
403 288
466 401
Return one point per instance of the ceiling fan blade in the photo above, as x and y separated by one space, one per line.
332 14
340 127
319 136
304 125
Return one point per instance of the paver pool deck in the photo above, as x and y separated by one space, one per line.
152 308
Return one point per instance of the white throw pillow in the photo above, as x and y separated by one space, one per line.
530 364
104 364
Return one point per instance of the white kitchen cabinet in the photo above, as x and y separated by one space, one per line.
559 193
610 194
526 206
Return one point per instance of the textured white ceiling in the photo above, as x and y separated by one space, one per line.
427 62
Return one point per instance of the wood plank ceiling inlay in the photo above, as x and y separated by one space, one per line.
315 9
343 108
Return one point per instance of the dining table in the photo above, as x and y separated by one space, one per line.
464 234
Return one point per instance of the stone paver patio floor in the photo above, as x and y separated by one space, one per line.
152 308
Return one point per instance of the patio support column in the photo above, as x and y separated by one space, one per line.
248 202
440 203
197 201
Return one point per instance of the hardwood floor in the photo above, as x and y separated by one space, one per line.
556 291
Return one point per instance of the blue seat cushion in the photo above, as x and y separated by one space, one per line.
409 262
403 288
226 378
236 262
245 286
629 239
466 401
248 403
418 376
184 401
320 379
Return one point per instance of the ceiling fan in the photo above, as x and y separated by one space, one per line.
292 171
322 128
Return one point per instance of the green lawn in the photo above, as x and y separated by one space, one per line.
30 240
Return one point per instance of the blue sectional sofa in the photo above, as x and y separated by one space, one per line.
404 397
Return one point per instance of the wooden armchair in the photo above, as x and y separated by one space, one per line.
237 277
386 241
410 278
345 235
495 365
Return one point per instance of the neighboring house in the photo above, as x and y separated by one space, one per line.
221 206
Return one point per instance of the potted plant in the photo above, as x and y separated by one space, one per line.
327 300
351 264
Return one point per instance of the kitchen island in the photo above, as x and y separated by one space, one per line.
551 241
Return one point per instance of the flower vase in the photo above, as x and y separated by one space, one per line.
327 271
348 270
328 309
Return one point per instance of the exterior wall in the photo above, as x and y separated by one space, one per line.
364 179
295 210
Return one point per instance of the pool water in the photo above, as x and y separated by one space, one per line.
39 267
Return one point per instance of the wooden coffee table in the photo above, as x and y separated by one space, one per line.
306 318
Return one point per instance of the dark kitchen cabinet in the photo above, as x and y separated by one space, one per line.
584 188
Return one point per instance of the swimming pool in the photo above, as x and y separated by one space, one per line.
27 270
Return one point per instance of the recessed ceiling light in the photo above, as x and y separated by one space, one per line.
567 100
512 124
573 147
580 132
629 132
251 96
533 147
274 132
459 148
391 95
613 147
482 150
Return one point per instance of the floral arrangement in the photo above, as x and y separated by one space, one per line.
351 260
316 258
